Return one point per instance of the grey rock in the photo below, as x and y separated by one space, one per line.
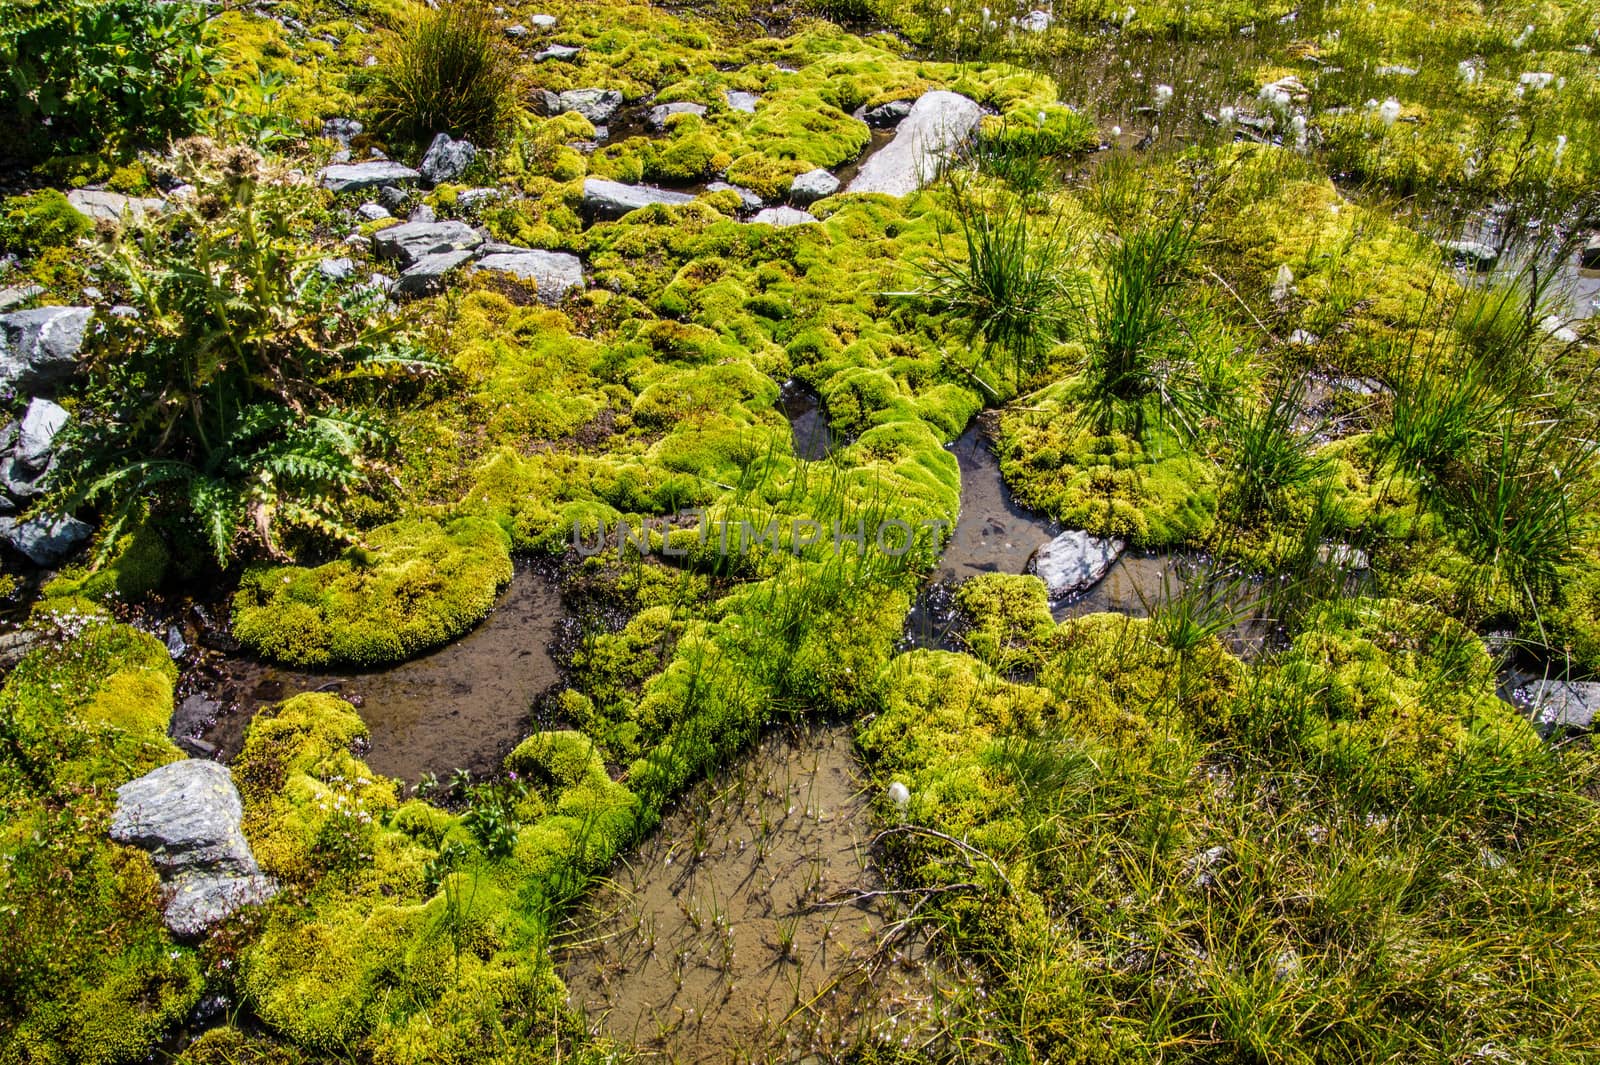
340 156
37 434
342 129
422 213
741 101
122 310
186 814
939 123
410 241
1035 22
1559 705
393 197
812 186
371 212
1589 257
562 52
612 199
447 159
1074 561
467 199
889 115
782 217
1396 71
113 206
45 540
1302 338
351 177
542 22
17 295
556 273
597 105
14 646
516 31
426 274
751 201
1473 253
339 269
657 119
39 348
177 647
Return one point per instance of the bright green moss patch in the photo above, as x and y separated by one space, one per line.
90 973
414 586
39 220
1153 493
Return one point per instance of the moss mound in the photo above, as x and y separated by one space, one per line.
415 586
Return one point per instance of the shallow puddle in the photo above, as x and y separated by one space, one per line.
463 706
738 932
808 422
994 533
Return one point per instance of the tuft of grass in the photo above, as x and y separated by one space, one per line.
1011 283
1268 459
446 71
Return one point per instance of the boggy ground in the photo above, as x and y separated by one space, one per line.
1132 844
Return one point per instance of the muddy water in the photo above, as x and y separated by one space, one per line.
993 533
736 934
462 706
808 422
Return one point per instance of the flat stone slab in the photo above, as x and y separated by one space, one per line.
613 199
187 814
348 177
556 273
937 124
105 206
1560 705
741 101
597 105
1074 561
427 273
409 242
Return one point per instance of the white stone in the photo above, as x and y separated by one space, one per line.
1074 561
938 123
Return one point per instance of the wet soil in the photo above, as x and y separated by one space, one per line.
463 706
744 931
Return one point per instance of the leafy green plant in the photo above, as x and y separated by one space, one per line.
229 408
446 71
78 75
1011 282
492 817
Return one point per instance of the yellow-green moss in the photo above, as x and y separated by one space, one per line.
414 586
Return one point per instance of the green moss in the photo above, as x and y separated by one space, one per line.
415 586
37 221
1153 494
89 969
135 567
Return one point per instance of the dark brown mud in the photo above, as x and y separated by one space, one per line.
463 706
